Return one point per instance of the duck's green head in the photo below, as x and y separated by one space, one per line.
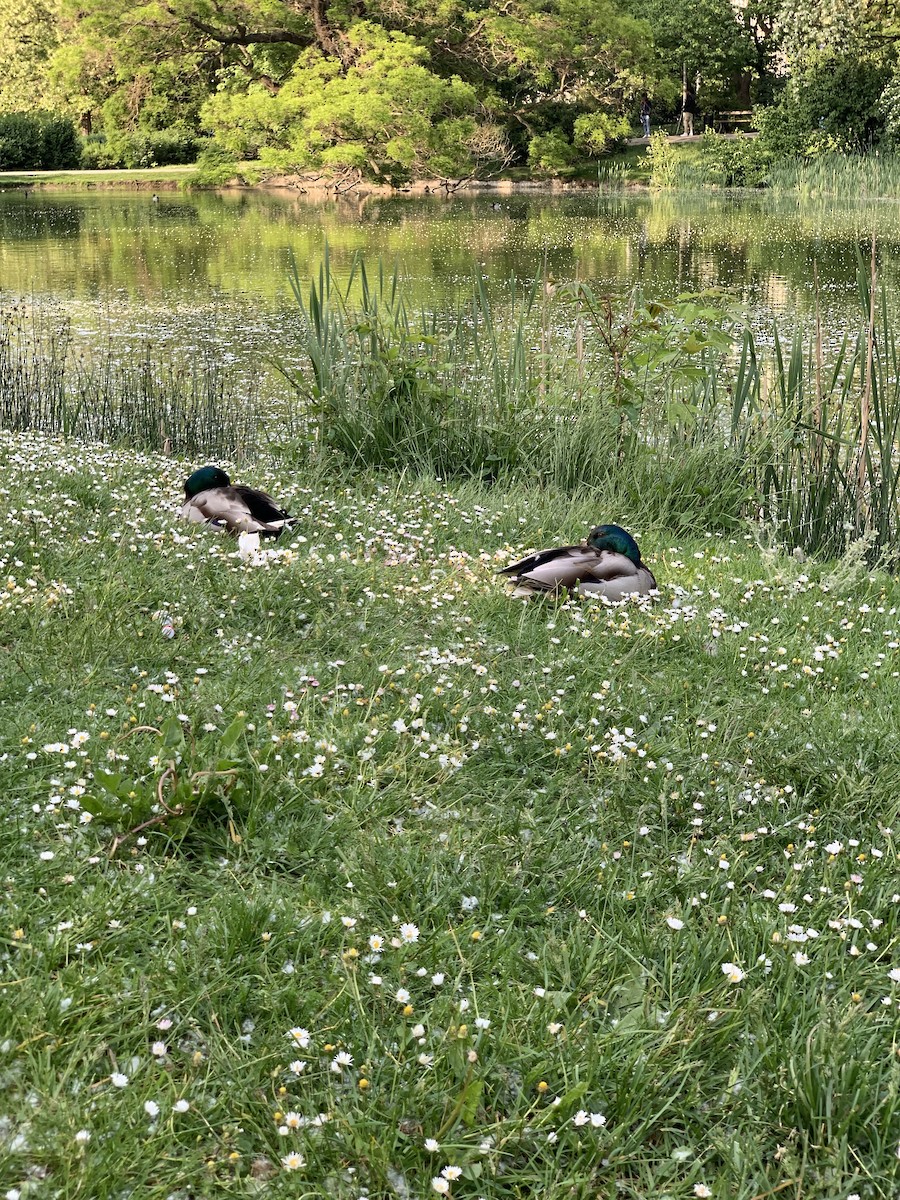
203 480
615 538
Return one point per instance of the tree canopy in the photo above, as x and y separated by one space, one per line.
396 88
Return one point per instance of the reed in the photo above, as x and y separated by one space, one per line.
438 393
148 400
821 442
854 176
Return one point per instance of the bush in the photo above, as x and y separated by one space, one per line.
734 162
37 141
833 105
889 108
161 148
662 159
215 166
551 153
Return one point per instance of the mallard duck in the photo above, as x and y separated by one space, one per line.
210 498
607 564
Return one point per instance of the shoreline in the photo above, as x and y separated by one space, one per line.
171 179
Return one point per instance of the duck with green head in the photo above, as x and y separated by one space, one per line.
210 498
607 564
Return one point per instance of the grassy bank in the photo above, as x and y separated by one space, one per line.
629 160
553 900
138 177
692 165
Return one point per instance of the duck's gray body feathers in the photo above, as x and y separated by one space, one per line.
583 569
237 508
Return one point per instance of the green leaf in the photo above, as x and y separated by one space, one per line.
471 1100
232 733
172 733
97 808
573 1095
110 783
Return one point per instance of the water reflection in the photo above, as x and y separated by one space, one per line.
215 264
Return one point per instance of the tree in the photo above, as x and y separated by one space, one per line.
699 40
837 93
387 114
28 37
472 69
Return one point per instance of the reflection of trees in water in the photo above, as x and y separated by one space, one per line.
229 252
24 218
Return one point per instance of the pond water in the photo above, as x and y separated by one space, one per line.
213 267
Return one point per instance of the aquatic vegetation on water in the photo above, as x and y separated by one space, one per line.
147 399
515 900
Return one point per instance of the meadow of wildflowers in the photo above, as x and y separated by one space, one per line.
364 880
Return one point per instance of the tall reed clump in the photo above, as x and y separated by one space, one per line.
821 439
442 393
148 399
554 386
854 176
671 410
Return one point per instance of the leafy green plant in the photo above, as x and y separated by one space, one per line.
599 132
830 105
140 148
191 781
656 351
734 162
551 153
215 166
37 141
662 161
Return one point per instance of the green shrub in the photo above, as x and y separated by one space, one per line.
37 141
160 148
551 153
215 166
832 105
889 108
734 162
662 160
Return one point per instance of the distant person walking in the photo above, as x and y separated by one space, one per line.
689 110
645 114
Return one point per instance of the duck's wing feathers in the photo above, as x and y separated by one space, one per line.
540 559
260 504
554 569
590 571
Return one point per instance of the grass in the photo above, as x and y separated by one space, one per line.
91 178
633 869
852 176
